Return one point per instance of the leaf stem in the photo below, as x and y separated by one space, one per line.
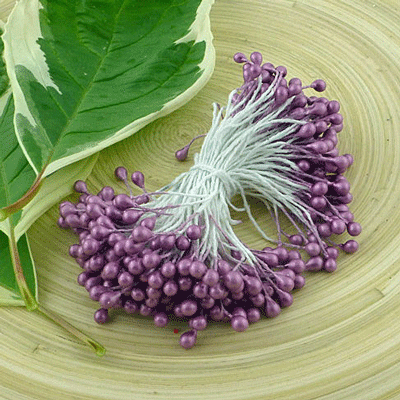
32 304
30 301
5 212
96 346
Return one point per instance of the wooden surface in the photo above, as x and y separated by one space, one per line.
341 337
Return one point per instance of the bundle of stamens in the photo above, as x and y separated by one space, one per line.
174 253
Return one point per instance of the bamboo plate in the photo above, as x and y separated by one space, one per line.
341 337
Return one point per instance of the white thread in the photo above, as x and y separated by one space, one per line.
243 153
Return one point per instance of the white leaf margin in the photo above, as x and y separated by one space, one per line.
24 20
24 41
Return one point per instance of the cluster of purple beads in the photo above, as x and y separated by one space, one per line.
127 265
313 148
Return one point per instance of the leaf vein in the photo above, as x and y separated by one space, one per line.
10 152
19 173
140 96
3 176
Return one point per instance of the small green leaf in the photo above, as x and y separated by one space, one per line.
10 293
114 67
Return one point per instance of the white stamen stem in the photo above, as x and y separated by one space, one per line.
244 153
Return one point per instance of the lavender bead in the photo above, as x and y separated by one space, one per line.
211 277
208 302
183 266
138 179
185 283
354 228
272 309
160 319
197 269
351 246
188 308
239 323
233 280
131 307
253 315
198 323
188 339
101 315
182 243
170 288
168 269
193 232
200 290
121 173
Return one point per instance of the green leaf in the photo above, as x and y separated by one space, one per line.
16 177
10 293
88 73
